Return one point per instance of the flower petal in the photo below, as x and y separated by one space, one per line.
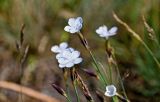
59 56
70 49
70 64
71 21
113 30
78 27
67 28
78 60
61 65
55 49
102 30
79 19
107 94
102 35
73 30
75 54
61 60
63 45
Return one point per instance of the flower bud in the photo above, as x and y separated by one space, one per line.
59 90
90 73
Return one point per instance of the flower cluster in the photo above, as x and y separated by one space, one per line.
110 91
66 56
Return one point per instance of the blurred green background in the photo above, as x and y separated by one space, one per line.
44 23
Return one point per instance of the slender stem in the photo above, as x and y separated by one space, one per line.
122 98
110 72
85 43
120 78
107 45
151 53
96 64
65 76
74 82
105 73
115 99
75 88
68 99
68 93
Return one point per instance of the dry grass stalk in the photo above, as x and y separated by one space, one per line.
85 88
27 91
127 27
59 90
149 29
134 34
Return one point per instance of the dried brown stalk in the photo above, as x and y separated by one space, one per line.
27 91
127 27
85 88
149 29
134 34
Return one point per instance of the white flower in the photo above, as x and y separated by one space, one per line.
57 49
103 31
68 58
110 90
74 25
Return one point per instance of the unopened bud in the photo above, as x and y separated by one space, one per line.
59 90
90 73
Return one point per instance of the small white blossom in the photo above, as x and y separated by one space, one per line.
103 31
110 90
57 49
68 58
60 54
74 25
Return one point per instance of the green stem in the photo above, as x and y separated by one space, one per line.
68 93
151 53
96 64
75 88
120 78
74 82
105 73
99 77
65 76
107 45
115 99
68 99
93 58
110 73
